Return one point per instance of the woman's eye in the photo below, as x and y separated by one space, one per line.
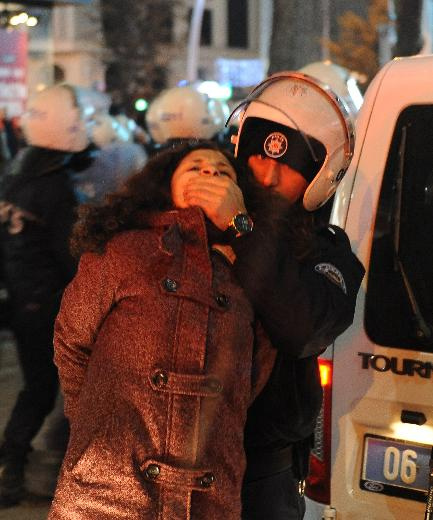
194 168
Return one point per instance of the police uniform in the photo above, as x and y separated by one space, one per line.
303 305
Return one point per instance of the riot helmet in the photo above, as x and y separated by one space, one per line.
295 119
58 118
341 80
184 113
104 130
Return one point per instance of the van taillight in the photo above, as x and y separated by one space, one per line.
318 485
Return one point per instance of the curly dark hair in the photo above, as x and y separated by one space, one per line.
149 191
146 192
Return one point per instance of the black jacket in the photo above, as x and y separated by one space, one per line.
37 209
303 306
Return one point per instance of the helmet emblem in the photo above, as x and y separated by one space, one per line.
298 89
275 145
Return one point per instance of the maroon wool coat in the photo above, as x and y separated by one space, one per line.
154 344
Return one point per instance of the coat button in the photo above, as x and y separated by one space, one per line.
170 285
160 378
152 471
213 385
223 301
207 480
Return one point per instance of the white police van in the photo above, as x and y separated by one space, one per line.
375 433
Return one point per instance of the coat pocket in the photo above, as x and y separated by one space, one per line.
80 440
96 464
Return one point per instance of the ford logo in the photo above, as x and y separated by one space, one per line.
377 487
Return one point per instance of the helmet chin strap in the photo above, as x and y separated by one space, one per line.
249 100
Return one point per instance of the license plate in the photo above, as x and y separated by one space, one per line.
395 467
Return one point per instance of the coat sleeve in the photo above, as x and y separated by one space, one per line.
302 305
85 304
60 218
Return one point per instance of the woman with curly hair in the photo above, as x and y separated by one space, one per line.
158 350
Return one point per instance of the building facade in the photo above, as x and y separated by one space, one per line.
234 42
68 42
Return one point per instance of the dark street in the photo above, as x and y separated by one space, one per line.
44 460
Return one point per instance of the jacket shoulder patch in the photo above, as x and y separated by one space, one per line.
333 274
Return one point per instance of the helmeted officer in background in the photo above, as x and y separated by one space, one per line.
297 139
116 158
342 81
37 209
183 113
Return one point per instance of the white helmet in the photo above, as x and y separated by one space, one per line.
184 113
293 118
99 102
341 80
127 128
104 130
220 112
55 119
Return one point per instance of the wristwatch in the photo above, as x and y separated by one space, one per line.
239 225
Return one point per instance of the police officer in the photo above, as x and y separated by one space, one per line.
182 113
116 158
37 209
297 139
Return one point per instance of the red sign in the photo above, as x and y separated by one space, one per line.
13 71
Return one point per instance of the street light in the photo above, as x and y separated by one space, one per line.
17 18
214 90
326 29
194 40
32 21
141 105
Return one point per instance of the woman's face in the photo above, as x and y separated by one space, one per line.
204 162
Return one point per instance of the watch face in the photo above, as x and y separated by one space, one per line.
243 223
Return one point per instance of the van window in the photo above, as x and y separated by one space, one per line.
399 302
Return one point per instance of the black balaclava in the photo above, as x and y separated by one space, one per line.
283 144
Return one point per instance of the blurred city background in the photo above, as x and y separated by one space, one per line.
133 49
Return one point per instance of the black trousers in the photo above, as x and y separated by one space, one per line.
33 329
274 497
